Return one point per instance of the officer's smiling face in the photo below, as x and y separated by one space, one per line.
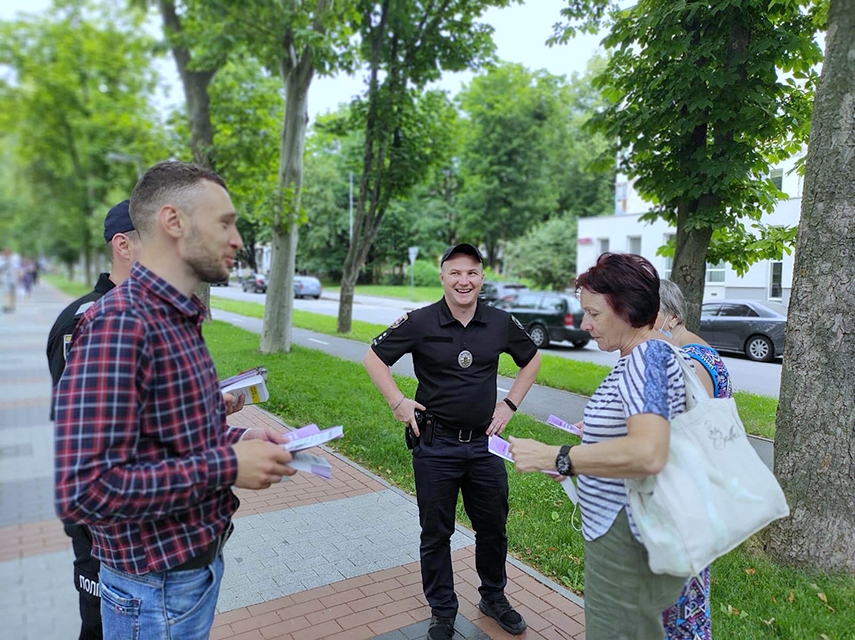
461 277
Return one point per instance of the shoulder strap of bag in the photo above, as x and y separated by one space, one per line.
695 390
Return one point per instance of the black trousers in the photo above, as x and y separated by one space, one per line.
442 470
86 569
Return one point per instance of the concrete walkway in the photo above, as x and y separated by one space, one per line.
309 558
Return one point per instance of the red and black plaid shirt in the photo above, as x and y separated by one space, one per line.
143 451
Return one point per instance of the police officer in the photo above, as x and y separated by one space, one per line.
455 344
124 247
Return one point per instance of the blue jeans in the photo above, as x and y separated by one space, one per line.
166 605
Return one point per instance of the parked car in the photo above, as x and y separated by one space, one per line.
747 326
221 283
254 282
493 292
307 287
550 317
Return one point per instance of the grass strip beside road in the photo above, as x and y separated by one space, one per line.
73 289
401 292
757 412
752 597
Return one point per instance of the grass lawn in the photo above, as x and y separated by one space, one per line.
73 289
757 412
752 597
419 294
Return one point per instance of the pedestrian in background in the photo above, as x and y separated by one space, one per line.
689 618
144 456
455 344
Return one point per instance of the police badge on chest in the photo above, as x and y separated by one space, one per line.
464 359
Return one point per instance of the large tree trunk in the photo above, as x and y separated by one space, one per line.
279 308
688 271
195 84
815 443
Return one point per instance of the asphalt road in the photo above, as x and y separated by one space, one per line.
762 378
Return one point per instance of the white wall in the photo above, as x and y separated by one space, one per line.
625 224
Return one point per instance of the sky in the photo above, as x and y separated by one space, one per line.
520 35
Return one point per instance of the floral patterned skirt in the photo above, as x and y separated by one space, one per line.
689 619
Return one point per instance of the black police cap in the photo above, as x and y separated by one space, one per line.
464 248
118 220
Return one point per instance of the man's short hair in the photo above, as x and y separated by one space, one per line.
166 183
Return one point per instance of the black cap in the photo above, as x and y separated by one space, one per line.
118 220
464 248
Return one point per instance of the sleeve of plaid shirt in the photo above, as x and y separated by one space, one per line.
97 430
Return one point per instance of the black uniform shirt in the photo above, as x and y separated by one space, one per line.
59 338
460 396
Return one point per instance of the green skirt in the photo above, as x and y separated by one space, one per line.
624 600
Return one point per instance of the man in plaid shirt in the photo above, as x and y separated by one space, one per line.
144 456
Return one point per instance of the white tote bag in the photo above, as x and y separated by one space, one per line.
714 492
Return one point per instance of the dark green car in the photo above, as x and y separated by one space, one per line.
550 317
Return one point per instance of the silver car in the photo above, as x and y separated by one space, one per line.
307 287
747 326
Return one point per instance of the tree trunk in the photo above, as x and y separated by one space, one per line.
688 271
279 308
195 84
815 443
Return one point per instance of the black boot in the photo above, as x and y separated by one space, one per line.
502 612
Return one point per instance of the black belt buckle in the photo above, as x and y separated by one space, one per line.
468 433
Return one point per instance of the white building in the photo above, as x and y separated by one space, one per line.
624 232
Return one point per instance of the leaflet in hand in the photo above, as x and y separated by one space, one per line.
555 421
251 384
302 432
308 463
498 446
313 440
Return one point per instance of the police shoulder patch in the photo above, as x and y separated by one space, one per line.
399 321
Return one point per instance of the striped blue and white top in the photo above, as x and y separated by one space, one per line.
647 380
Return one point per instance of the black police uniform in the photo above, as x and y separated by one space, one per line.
457 369
86 567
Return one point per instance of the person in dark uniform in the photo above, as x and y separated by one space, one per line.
124 246
455 344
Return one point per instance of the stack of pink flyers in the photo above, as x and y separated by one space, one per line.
251 384
305 438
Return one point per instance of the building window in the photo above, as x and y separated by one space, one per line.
603 244
633 244
776 284
621 189
669 260
715 273
777 178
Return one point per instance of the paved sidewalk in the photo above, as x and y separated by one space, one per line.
309 559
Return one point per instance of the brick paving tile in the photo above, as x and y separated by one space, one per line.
414 589
360 619
533 586
255 622
342 597
531 601
312 594
562 604
270 605
231 616
369 602
32 539
400 606
394 572
285 627
380 587
316 632
392 622
332 613
249 635
562 621
553 633
352 583
302 609
357 633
